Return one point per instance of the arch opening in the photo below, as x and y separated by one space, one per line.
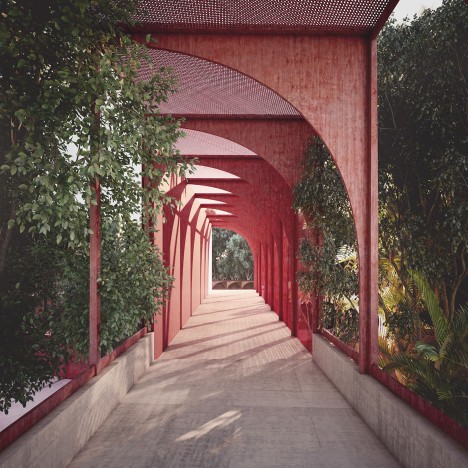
232 260
328 277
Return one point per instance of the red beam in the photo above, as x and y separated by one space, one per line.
234 117
139 32
222 156
199 180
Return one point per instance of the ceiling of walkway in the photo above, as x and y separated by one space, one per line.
196 143
206 88
262 16
210 90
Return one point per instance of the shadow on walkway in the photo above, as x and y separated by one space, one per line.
247 394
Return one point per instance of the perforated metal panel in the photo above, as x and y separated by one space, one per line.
356 16
204 144
206 88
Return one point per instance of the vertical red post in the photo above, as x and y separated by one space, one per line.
271 273
368 268
278 270
94 272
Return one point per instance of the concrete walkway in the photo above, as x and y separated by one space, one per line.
234 389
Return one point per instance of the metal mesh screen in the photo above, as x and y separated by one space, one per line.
204 144
357 16
206 88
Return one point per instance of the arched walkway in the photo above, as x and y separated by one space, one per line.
232 383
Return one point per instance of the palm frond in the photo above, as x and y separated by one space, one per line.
437 316
428 351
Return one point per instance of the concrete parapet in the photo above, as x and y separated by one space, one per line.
411 438
56 439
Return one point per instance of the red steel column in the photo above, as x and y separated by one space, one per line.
278 277
259 269
265 271
271 272
94 272
368 261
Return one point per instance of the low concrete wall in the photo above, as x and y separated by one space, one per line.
412 439
56 439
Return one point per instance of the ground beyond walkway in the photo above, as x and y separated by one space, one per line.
234 389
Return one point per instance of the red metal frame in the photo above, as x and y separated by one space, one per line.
350 352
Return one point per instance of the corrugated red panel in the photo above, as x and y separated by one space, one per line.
207 88
356 16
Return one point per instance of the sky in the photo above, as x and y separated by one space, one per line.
411 7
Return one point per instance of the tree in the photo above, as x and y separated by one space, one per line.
219 239
423 120
328 249
423 174
232 257
74 110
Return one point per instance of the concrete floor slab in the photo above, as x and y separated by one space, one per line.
234 389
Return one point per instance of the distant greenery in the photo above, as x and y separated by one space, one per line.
73 110
232 257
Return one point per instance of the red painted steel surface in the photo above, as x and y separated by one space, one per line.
338 106
209 89
280 142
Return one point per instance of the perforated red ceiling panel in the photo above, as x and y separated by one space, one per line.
357 16
196 143
206 88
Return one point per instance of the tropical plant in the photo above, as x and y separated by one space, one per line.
436 368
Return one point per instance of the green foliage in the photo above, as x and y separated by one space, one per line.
232 257
73 110
423 146
437 370
328 250
133 287
423 173
29 352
